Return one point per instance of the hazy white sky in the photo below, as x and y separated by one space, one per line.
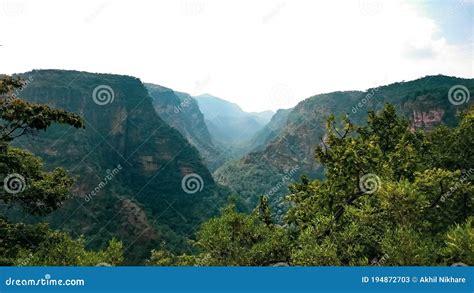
258 54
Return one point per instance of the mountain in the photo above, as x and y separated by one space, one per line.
138 179
229 125
271 130
211 106
289 149
181 111
264 116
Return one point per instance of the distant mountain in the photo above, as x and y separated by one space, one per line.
271 130
211 106
181 111
130 164
264 116
288 151
229 125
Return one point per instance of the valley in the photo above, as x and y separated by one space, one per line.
142 140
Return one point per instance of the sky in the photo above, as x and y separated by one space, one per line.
259 54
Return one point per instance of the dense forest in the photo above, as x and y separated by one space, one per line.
386 192
291 136
37 244
391 196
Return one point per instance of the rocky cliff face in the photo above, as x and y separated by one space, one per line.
130 164
427 119
181 111
270 131
425 102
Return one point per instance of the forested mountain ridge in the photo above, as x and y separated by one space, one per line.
271 130
130 164
397 186
424 101
392 196
181 111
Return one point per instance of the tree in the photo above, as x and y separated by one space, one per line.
264 212
233 239
27 185
459 243
386 192
391 196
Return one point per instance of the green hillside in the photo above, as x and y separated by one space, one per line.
268 170
125 144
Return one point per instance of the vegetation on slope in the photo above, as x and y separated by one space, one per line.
129 164
423 101
36 191
391 196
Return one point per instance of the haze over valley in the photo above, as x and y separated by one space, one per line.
226 133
